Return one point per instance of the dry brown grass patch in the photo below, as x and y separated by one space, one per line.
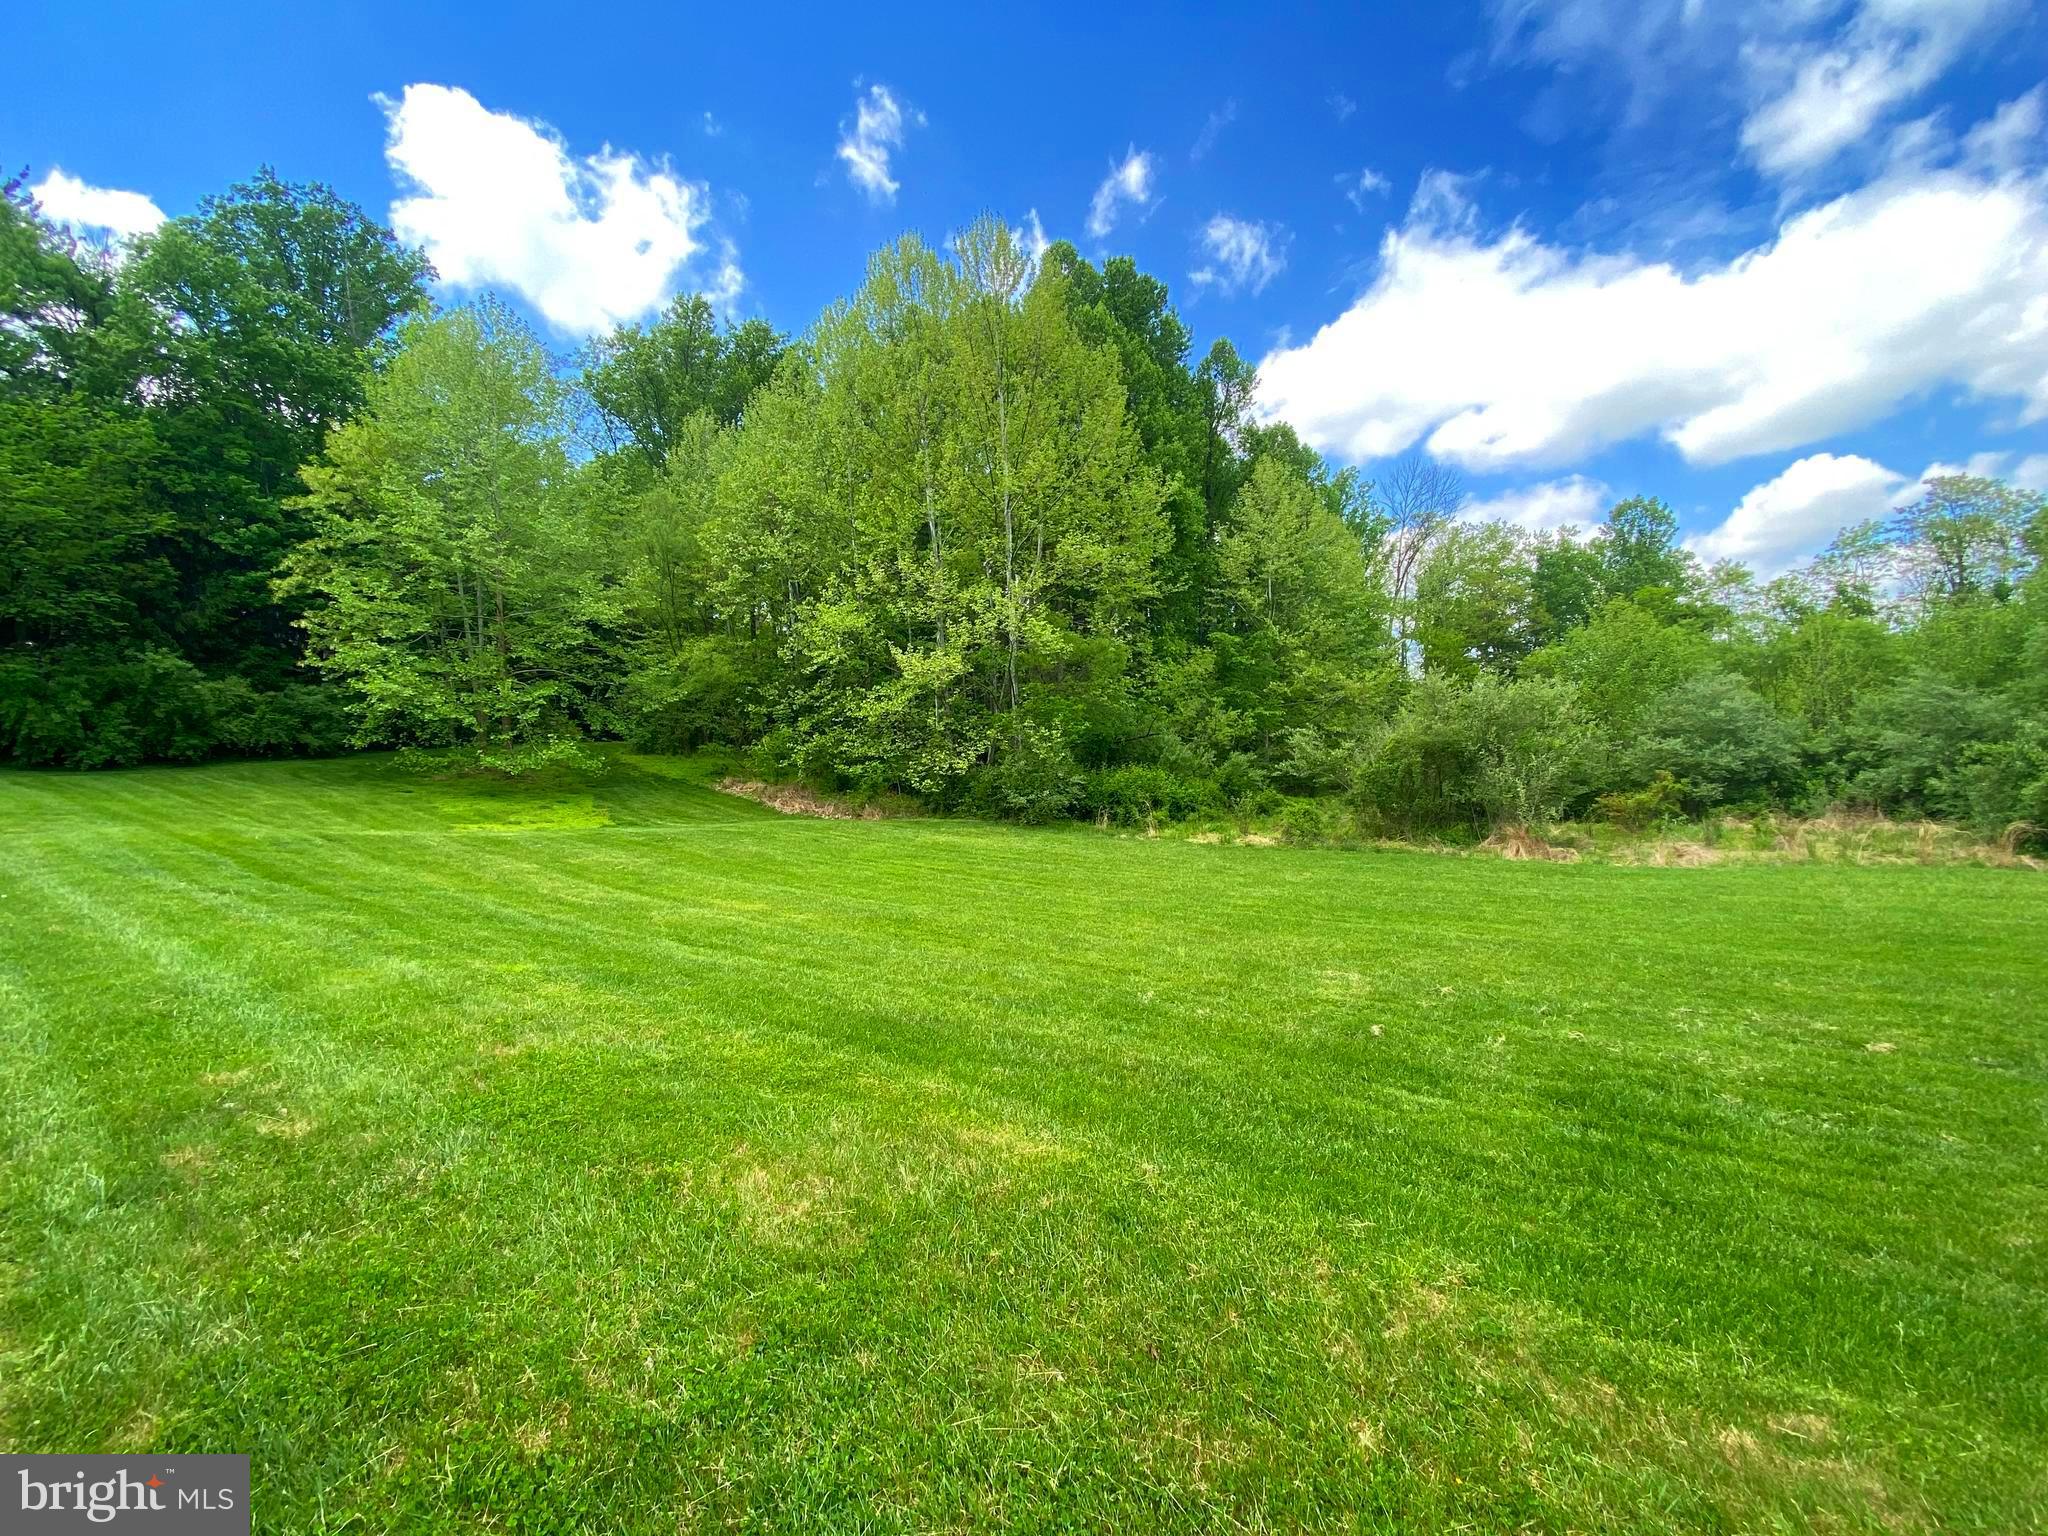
1519 843
796 800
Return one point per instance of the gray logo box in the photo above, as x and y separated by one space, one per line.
141 1495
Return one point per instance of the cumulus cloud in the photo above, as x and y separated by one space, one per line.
1817 97
1990 465
590 241
1498 351
874 134
1574 502
1242 254
1798 511
67 200
1128 184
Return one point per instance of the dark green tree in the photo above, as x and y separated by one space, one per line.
269 307
647 384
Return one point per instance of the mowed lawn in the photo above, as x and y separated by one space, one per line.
623 1157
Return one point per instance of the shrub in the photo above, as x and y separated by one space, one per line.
1718 737
1478 756
1140 792
1314 762
108 709
1657 803
1034 779
2003 786
1914 745
1317 821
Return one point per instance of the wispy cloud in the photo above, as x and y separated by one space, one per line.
1242 254
1357 186
1031 235
1810 81
1219 120
1817 96
875 132
1128 185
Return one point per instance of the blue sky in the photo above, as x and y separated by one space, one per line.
1772 262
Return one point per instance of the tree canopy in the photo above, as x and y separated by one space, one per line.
992 531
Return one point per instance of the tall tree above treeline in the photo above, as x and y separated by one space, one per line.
156 404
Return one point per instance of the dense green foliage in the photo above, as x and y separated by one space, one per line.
989 533
604 1154
154 413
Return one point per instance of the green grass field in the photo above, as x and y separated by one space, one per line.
624 1157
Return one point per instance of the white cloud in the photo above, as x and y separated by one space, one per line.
879 123
1798 512
1242 254
1510 350
1219 120
1129 183
1031 235
1989 465
1574 502
1341 104
713 128
590 241
67 200
1443 202
1358 186
1809 79
1816 97
1795 514
2010 139
1651 49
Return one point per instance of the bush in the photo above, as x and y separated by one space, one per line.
310 719
1718 737
704 690
1139 793
1314 762
1930 747
108 709
2003 786
1478 756
1657 803
1317 821
1033 780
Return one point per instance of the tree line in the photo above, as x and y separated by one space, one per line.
989 533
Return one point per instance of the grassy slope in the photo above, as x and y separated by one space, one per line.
627 1157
